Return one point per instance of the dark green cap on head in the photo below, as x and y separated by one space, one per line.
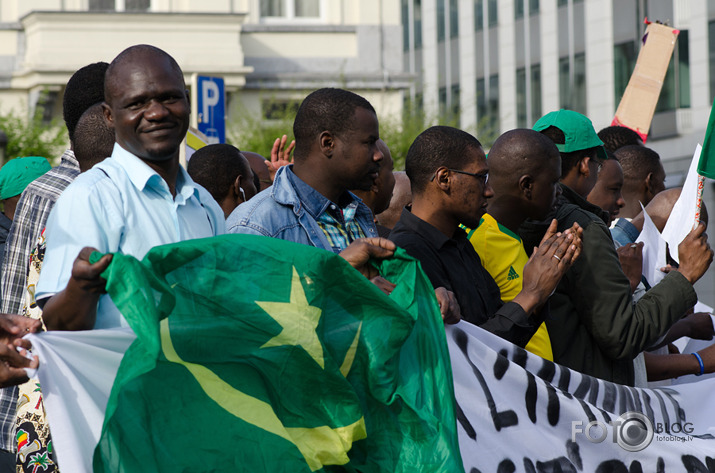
578 131
17 173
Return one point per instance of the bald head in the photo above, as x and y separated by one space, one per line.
518 152
146 102
524 171
401 196
659 209
260 170
134 55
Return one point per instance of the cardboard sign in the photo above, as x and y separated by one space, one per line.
641 96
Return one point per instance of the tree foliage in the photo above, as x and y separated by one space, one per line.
399 132
251 132
32 137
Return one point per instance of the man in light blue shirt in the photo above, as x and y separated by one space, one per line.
139 198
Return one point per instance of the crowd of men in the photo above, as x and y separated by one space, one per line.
535 244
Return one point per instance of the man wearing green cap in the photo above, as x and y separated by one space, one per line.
15 175
594 326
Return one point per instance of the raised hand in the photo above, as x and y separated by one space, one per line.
280 155
695 254
631 258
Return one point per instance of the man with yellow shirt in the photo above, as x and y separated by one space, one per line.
524 170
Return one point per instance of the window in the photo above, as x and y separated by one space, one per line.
488 106
405 25
120 5
519 7
624 58
676 86
478 15
137 5
492 12
101 5
290 9
535 93
46 104
454 111
521 97
562 3
453 19
481 99
279 109
449 113
523 120
440 20
572 96
493 102
418 23
711 46
442 101
533 7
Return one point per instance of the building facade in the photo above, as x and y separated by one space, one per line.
501 64
270 52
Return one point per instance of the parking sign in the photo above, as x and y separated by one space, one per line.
209 107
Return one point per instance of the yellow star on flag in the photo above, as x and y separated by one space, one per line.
299 321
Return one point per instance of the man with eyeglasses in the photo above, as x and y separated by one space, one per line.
594 326
449 176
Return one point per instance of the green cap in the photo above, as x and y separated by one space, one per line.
578 131
17 173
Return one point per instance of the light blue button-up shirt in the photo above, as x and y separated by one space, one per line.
122 205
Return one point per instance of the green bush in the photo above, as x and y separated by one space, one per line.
31 137
250 133
399 132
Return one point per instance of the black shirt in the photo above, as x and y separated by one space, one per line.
453 264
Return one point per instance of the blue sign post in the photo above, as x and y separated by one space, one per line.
211 108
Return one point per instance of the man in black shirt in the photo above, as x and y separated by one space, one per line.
448 172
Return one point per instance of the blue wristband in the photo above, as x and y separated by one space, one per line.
700 362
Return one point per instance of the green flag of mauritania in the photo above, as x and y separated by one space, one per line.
706 165
259 355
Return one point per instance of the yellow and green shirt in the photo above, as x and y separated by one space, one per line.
503 256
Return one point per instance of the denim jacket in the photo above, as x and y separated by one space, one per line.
278 212
624 232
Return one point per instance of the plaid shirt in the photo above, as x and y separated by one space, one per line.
340 226
30 218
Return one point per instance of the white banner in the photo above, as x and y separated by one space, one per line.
682 217
516 412
77 371
520 413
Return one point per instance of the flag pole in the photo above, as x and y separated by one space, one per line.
699 201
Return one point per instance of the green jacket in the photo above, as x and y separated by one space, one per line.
594 326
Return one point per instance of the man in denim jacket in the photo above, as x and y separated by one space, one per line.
336 134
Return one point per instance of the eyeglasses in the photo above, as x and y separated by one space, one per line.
481 176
